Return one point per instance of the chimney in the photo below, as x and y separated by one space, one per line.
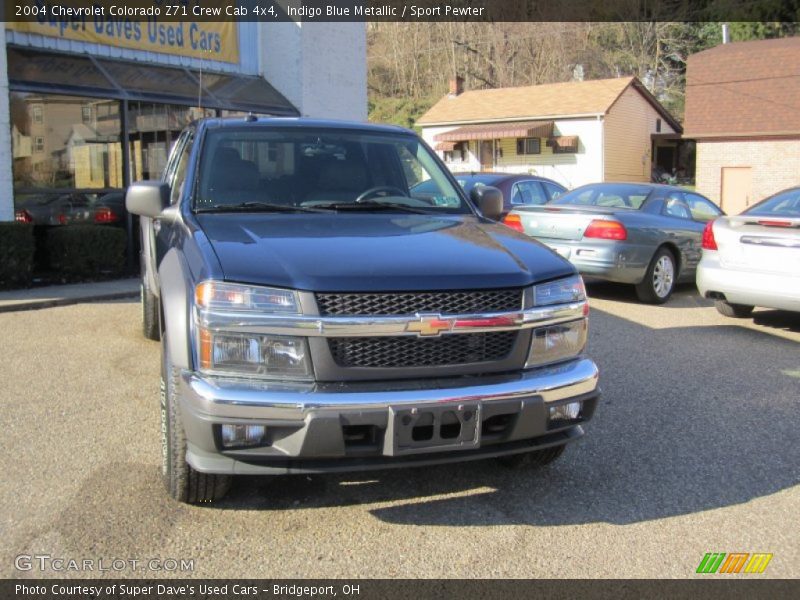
456 86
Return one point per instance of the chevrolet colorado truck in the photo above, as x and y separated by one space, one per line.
318 311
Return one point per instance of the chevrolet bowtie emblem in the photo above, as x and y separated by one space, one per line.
429 325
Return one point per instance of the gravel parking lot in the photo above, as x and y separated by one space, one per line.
693 449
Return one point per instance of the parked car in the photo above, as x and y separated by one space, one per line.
642 234
72 208
54 209
109 209
518 189
317 314
753 259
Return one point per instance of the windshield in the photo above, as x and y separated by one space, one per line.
312 170
783 204
613 195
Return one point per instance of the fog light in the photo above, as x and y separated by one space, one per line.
243 435
565 412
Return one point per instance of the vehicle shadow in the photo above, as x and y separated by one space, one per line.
778 319
692 419
684 296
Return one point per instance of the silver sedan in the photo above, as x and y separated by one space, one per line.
754 259
637 233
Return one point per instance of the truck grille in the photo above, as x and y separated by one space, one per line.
408 352
409 303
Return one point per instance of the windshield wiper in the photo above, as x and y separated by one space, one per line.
260 207
370 206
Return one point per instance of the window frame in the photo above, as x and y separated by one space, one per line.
523 144
681 200
703 200
558 190
185 151
534 182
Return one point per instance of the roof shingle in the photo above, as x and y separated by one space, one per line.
549 100
744 89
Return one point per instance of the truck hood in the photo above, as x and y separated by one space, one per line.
345 252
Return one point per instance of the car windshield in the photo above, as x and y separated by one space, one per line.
614 195
783 204
313 170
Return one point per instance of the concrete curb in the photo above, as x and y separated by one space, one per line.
52 302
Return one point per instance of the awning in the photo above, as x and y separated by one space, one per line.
495 131
445 146
47 72
564 143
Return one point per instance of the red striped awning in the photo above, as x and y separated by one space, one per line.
495 131
445 146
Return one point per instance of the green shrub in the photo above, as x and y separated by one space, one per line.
86 251
16 254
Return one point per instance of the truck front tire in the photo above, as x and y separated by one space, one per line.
183 483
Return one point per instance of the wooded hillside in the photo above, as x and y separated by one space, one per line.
410 63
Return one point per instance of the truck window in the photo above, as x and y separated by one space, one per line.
314 168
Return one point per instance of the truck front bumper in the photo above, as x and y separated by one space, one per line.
371 425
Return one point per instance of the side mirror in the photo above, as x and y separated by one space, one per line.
147 198
489 201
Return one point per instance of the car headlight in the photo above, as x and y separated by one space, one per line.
230 353
555 343
223 352
560 291
224 296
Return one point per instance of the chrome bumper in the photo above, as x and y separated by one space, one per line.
308 422
243 399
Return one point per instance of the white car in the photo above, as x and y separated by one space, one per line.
753 259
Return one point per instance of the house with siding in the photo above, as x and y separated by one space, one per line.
743 110
575 132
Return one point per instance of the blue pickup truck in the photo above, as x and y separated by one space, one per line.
316 314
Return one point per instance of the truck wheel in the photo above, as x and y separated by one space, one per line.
538 458
150 326
738 311
182 482
659 281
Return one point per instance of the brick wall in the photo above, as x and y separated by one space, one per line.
775 165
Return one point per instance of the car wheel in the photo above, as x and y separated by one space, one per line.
659 282
535 459
182 482
150 324
738 311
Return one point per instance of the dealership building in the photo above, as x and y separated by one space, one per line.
88 108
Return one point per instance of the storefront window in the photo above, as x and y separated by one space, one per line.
153 128
58 144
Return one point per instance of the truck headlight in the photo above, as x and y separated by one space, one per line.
560 291
555 343
236 297
254 354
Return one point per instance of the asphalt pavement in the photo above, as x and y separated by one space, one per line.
693 449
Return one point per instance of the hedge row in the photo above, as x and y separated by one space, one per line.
85 251
71 253
16 254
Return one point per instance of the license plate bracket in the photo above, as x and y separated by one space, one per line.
424 428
